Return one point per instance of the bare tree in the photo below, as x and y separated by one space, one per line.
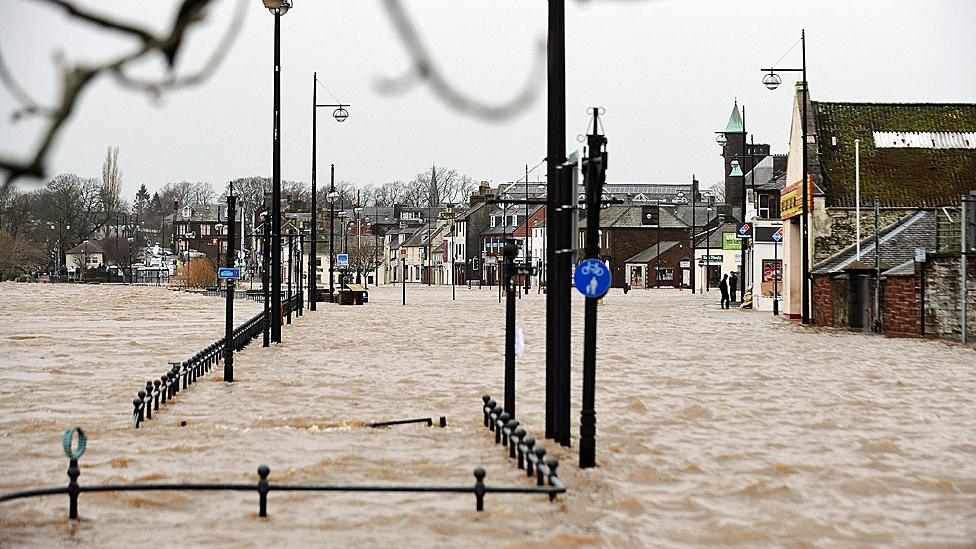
111 192
73 206
18 255
447 187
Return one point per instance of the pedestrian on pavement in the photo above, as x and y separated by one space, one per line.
723 287
733 284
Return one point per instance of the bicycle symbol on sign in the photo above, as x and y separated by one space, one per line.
591 268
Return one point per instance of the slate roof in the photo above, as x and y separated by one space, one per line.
715 238
630 216
651 253
898 242
912 177
90 247
769 173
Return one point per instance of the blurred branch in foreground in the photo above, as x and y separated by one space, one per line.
76 78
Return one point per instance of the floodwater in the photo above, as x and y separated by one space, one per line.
714 427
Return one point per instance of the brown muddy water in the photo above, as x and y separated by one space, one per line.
714 427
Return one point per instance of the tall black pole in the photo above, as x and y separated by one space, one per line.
331 235
743 242
266 279
694 198
708 248
805 278
229 319
877 265
564 256
509 251
657 267
291 272
312 255
276 191
556 155
403 279
776 274
299 257
595 178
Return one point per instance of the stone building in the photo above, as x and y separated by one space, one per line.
912 155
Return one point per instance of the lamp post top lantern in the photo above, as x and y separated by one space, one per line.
281 6
772 80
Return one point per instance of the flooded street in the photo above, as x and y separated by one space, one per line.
713 426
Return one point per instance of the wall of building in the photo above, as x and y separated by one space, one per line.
628 242
943 310
900 313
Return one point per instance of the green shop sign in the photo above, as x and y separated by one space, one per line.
730 242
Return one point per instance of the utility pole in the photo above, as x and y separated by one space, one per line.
229 310
312 270
694 198
877 264
557 304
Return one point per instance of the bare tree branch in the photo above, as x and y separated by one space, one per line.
424 69
101 20
76 79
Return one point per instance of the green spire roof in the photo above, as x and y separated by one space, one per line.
735 121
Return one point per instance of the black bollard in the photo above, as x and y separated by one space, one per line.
553 464
540 454
510 426
263 472
73 489
149 402
156 394
529 452
499 425
164 392
485 407
136 412
479 489
517 447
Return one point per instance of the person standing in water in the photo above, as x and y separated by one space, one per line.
723 287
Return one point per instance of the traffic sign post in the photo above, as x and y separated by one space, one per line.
229 273
342 260
592 278
777 237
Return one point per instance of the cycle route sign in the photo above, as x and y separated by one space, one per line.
592 278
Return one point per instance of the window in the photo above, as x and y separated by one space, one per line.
763 206
665 274
492 221
204 230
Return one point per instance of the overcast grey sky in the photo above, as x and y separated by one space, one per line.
666 71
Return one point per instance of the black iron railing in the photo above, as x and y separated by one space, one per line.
263 486
521 447
183 374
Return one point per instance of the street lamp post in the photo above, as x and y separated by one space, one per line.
340 114
708 247
332 196
130 239
772 81
278 8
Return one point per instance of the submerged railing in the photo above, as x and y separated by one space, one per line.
183 374
521 447
263 486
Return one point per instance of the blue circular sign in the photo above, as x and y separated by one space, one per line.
592 278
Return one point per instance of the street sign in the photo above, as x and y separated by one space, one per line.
592 278
744 231
711 259
778 235
342 260
228 273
